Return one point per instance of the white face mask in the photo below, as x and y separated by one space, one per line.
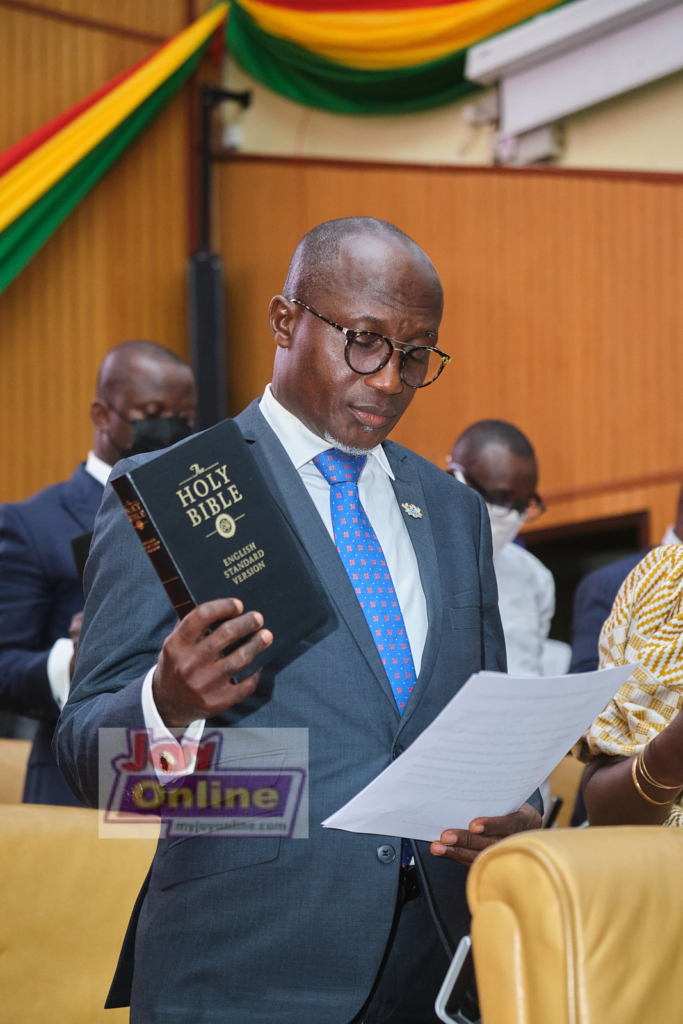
505 528
504 525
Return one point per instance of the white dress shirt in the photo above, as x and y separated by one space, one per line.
526 599
379 501
59 658
98 468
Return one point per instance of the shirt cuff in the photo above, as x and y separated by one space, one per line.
58 670
172 758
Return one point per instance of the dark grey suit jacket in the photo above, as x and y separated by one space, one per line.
262 929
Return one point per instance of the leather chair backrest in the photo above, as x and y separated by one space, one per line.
66 897
13 760
580 926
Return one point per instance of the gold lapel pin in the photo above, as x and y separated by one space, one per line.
412 510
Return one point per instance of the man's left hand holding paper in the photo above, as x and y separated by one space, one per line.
464 845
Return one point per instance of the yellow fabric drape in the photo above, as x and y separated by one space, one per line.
35 175
398 38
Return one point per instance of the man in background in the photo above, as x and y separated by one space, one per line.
497 460
145 401
595 596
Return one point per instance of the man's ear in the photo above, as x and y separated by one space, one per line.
99 414
283 316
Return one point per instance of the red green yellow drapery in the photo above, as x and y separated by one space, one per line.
43 177
348 56
367 56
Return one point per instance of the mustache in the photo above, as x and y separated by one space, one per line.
390 412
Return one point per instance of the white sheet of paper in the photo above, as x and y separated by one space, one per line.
483 755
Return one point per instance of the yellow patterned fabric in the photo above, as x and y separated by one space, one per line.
645 625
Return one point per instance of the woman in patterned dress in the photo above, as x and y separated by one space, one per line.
634 749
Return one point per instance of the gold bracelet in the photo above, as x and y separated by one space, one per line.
658 803
646 775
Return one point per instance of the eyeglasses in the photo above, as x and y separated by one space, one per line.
367 353
532 509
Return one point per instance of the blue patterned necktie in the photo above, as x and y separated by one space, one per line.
364 561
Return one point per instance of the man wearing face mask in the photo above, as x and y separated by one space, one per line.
498 461
145 401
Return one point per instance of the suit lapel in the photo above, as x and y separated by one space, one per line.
297 507
408 490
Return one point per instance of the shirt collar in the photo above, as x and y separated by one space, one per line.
98 468
300 443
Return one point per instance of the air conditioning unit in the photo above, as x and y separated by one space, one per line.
577 56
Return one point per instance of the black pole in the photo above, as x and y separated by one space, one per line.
205 283
205 181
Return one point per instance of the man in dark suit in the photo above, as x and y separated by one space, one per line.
41 594
340 926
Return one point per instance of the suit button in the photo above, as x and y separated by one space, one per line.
397 751
386 854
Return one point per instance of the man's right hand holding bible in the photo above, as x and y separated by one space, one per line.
192 680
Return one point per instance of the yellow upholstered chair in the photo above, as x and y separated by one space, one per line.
13 761
580 926
565 781
65 899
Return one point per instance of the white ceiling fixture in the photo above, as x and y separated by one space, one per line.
576 56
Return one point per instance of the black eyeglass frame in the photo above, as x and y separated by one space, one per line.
517 506
394 346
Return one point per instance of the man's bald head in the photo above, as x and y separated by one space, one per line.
317 260
115 369
499 458
366 275
138 380
478 436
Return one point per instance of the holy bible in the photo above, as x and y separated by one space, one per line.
211 528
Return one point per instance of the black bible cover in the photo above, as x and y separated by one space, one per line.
204 515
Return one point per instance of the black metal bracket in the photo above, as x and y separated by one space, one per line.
211 97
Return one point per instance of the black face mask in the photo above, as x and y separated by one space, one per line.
151 435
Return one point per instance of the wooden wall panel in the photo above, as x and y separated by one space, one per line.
46 66
564 307
116 267
563 293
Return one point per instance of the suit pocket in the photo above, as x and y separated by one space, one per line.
467 617
201 856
